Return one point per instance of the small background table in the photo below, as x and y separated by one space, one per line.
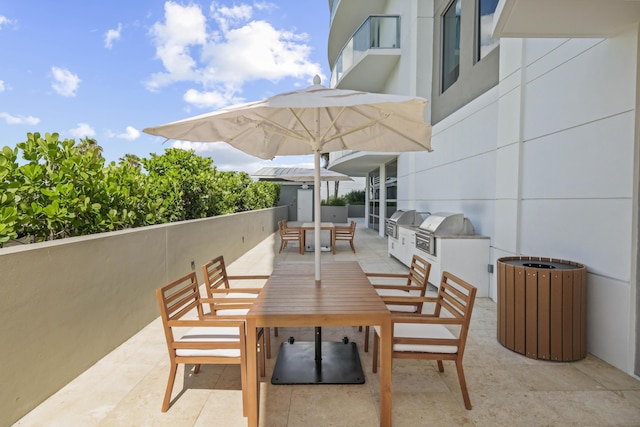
323 226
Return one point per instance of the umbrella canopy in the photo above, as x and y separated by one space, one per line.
299 174
314 120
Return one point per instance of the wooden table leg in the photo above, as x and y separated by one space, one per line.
385 372
333 240
303 240
252 392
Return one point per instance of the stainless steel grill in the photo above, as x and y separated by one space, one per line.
403 217
439 225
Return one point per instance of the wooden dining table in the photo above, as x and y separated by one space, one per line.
344 297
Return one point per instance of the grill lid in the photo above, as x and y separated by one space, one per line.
399 214
447 224
410 217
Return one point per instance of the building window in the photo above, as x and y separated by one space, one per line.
485 44
451 45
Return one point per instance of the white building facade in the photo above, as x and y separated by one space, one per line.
535 132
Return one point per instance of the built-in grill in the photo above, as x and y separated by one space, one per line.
402 217
441 224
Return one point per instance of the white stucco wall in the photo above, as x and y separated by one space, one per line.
544 164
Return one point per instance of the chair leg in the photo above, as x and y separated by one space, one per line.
440 366
275 331
167 394
267 341
463 385
375 352
196 368
353 248
262 353
366 339
283 243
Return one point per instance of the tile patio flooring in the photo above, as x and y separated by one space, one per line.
126 387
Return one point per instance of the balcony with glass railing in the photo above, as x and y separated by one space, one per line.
369 56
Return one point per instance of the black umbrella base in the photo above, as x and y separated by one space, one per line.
339 364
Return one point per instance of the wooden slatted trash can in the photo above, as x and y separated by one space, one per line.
542 307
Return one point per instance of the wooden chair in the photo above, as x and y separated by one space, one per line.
289 234
227 301
417 280
346 233
441 335
210 339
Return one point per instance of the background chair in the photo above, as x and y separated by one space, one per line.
210 340
441 335
346 233
289 234
227 301
416 282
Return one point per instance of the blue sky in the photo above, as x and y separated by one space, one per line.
108 69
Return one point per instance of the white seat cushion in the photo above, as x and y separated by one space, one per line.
416 330
232 312
210 334
398 293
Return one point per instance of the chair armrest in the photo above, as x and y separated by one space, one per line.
398 287
398 275
408 299
235 291
256 277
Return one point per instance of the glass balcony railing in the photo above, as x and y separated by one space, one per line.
377 32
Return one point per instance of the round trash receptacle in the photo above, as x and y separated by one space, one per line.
542 307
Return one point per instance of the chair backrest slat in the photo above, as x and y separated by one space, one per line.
419 274
179 297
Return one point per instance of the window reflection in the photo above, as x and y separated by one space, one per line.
451 45
486 43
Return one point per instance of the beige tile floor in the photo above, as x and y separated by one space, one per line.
126 387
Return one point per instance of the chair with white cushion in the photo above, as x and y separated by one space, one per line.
232 301
440 335
415 281
209 339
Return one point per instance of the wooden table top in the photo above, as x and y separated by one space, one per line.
292 298
345 297
323 226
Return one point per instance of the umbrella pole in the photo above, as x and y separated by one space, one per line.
316 212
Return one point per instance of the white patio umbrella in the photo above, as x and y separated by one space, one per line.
314 120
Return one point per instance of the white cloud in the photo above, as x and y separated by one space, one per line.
4 21
83 130
130 134
2 87
65 82
184 27
19 120
224 156
220 60
213 99
112 35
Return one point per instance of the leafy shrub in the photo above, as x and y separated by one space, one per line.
355 197
64 189
335 201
